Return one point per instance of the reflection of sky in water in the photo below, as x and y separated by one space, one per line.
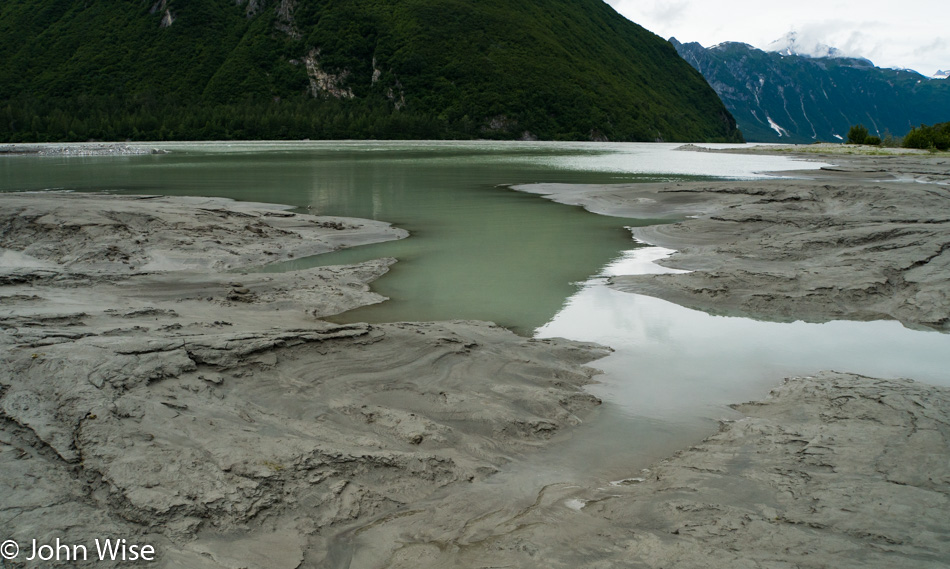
613 157
665 159
672 362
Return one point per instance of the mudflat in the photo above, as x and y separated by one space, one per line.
866 239
152 391
835 470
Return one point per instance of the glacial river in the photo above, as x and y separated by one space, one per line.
478 250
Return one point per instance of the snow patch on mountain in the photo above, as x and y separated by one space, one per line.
810 45
793 43
775 126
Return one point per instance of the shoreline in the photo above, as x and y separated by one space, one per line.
149 392
834 470
815 476
79 149
298 464
826 471
861 241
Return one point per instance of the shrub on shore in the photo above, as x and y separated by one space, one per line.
858 134
924 137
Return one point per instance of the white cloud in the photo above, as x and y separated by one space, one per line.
938 45
670 12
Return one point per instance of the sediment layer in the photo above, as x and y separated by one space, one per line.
849 242
835 470
150 393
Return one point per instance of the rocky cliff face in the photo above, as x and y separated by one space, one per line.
789 98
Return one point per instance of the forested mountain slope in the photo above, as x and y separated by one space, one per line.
209 69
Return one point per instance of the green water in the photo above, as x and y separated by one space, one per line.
480 251
477 249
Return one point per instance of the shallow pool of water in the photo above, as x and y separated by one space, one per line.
481 251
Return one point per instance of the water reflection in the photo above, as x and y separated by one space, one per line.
672 363
477 251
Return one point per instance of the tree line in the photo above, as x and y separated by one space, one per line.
924 137
100 120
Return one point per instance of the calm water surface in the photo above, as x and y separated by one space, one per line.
480 251
675 370
477 251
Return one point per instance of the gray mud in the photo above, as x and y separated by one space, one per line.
840 244
150 392
835 470
146 394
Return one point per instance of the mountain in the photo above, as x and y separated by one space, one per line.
776 97
792 44
219 69
941 74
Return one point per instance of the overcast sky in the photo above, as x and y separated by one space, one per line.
892 33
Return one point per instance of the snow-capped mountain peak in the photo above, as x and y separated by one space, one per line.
941 75
793 44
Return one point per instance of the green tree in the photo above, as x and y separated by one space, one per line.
936 137
858 134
